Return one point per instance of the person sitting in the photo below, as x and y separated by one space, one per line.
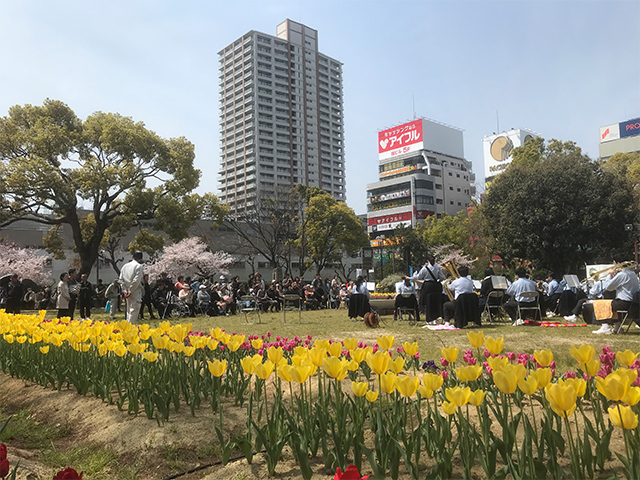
554 292
204 301
584 306
406 297
274 297
186 296
515 291
625 283
459 287
486 287
160 300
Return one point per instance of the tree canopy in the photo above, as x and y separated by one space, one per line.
556 207
54 166
329 229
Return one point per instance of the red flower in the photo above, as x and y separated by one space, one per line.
68 474
351 473
4 467
3 451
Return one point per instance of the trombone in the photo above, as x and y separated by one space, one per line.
453 275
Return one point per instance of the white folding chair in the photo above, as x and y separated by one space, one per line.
250 309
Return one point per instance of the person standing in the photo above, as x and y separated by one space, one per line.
14 295
131 277
430 295
63 297
85 297
74 289
146 297
112 294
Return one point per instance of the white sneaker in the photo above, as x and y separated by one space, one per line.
571 318
604 330
551 314
518 323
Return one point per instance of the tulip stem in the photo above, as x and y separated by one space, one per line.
533 414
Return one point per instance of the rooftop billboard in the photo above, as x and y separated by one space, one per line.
399 140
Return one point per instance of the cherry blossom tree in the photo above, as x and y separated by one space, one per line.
25 262
189 257
447 253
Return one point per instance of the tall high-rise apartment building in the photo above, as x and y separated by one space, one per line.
281 117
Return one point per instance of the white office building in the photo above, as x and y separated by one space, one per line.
281 117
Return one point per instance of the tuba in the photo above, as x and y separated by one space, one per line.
453 275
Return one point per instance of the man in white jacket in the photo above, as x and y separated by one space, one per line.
131 277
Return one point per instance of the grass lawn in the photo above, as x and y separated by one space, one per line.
336 325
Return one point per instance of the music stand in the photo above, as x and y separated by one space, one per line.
572 281
498 282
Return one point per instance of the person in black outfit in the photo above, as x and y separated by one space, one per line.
14 295
160 301
146 297
486 287
85 297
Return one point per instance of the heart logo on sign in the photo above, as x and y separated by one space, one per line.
383 143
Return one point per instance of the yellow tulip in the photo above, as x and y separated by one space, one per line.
359 389
477 397
359 354
623 418
21 338
626 358
543 376
476 339
449 408
372 396
528 386
450 354
352 365
543 357
583 354
614 386
264 370
458 396
495 345
592 366
120 349
317 355
506 380
388 382
217 367
45 349
432 381
299 374
136 348
578 384
630 373
385 342
378 362
275 354
102 349
322 344
335 367
160 341
248 365
562 398
234 344
300 351
469 373
335 349
350 343
284 372
425 392
407 386
150 356
179 332
497 363
214 332
632 397
212 344
410 348
225 338
396 365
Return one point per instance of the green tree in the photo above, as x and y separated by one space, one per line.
53 166
329 229
446 230
556 207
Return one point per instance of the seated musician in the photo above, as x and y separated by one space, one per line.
521 285
554 292
486 287
584 306
458 287
403 300
625 283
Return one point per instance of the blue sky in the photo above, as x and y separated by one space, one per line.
560 68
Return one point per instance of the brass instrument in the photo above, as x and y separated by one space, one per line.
453 275
618 267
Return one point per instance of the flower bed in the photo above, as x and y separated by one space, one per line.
508 415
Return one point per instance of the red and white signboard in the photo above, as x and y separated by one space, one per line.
399 140
610 132
398 217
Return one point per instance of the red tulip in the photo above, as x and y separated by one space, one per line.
3 451
4 467
68 474
351 473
